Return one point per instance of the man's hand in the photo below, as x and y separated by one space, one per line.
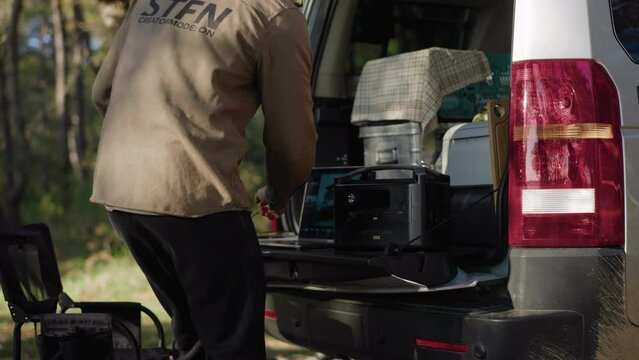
263 199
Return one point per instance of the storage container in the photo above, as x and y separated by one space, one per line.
392 143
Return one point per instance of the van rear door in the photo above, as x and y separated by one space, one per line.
602 34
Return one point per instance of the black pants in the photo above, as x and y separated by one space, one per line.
207 273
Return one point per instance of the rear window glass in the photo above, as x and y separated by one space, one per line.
386 28
625 15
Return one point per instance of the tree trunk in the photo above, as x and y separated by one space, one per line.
7 144
77 137
61 105
17 152
45 78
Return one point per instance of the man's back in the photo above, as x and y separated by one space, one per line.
179 86
181 82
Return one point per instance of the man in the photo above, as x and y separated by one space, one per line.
178 87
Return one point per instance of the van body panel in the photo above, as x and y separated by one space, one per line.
315 13
587 32
625 74
610 53
331 69
589 281
535 34
631 169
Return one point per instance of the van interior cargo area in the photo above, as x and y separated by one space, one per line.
474 250
364 30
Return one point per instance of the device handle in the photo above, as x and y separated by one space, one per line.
417 170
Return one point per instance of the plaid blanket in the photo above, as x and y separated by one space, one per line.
411 86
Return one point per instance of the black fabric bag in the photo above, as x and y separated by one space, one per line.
76 336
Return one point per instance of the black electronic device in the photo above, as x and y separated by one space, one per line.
316 227
373 213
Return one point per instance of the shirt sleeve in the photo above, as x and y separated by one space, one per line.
284 71
101 91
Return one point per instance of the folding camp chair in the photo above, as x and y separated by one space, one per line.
32 288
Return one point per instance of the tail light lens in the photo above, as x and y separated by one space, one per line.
442 345
270 314
565 166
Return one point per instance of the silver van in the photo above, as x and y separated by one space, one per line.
553 271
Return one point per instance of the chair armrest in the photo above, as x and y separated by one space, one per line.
157 323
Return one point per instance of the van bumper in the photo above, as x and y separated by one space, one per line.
386 328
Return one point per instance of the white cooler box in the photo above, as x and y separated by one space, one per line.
466 155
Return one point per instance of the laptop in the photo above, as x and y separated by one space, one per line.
317 225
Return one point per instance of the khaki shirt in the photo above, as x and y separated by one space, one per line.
178 87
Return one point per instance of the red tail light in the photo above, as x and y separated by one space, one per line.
565 166
442 345
270 314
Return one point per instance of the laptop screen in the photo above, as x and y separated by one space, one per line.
319 199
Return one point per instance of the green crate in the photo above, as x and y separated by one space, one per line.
465 103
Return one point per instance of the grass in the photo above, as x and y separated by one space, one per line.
115 278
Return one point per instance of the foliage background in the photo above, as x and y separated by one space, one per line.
93 261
